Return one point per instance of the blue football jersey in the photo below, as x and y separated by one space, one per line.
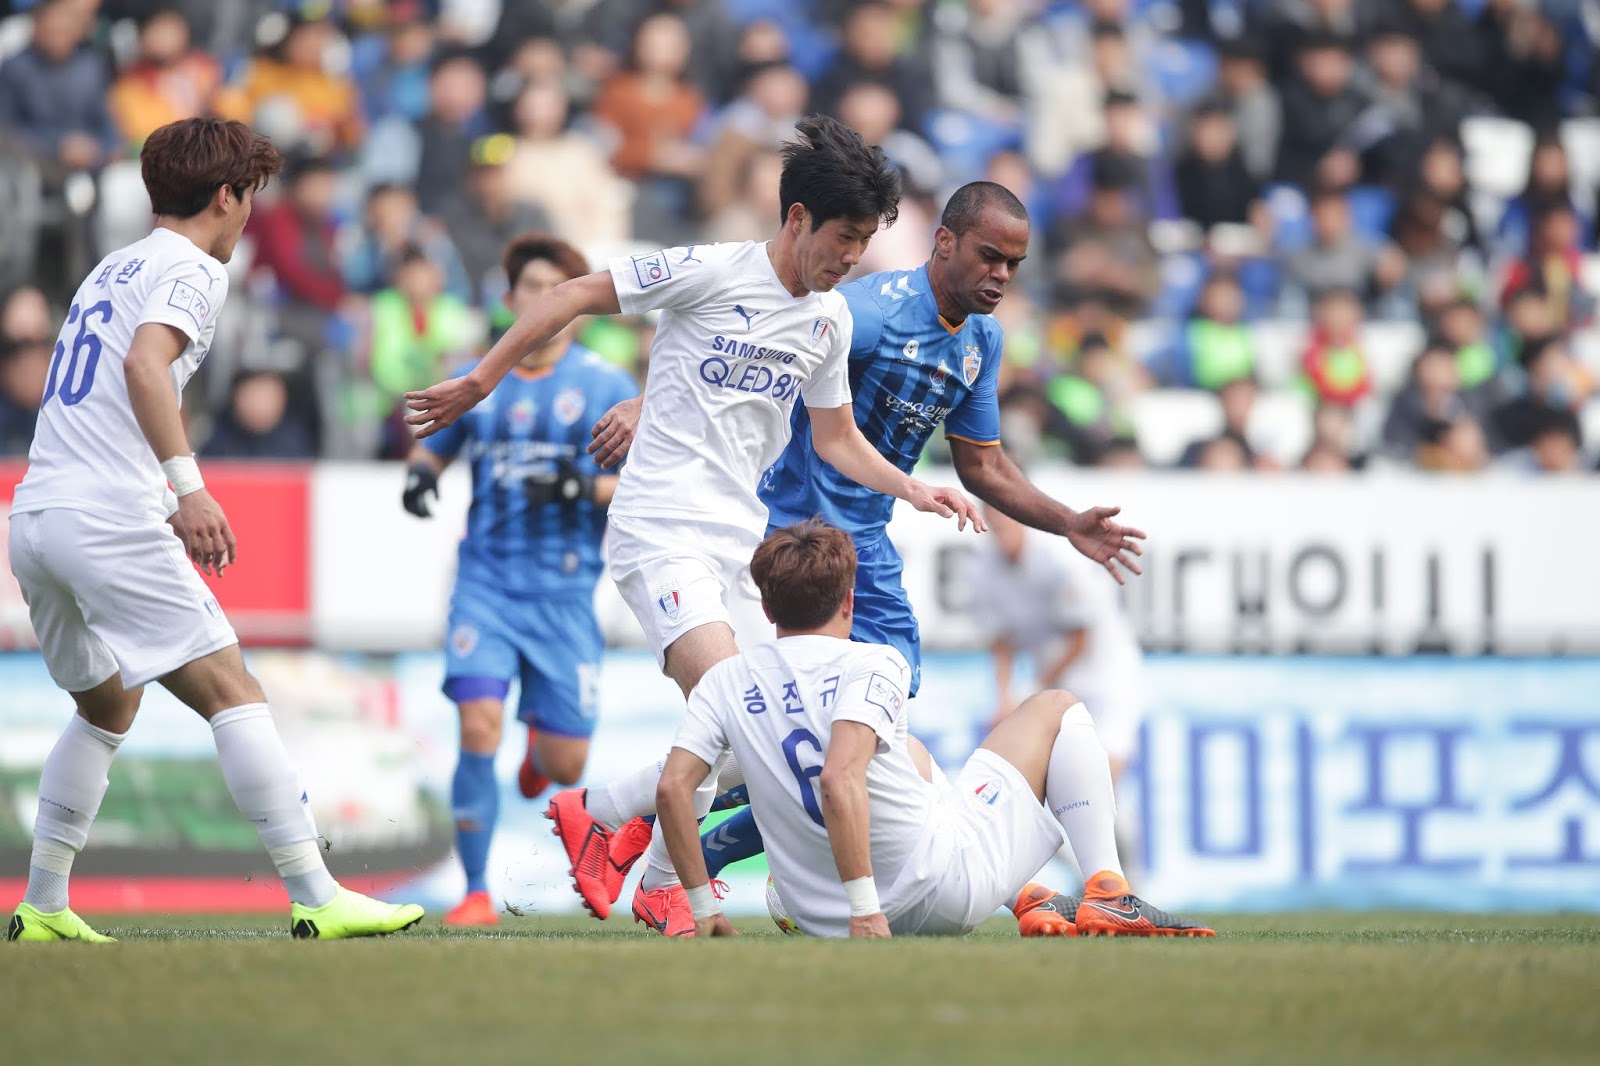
525 426
909 371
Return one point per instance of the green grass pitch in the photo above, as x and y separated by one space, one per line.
1297 989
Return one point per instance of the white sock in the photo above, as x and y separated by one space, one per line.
658 871
615 804
71 786
266 788
1077 789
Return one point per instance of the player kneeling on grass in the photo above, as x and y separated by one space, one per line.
98 542
819 725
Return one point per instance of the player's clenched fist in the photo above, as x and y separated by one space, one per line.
207 538
439 406
716 925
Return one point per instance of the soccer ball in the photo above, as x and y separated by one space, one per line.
780 916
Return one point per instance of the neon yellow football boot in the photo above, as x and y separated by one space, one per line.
30 923
350 914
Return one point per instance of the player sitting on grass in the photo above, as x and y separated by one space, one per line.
818 723
98 541
523 606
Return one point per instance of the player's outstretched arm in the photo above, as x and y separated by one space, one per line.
988 473
676 818
837 440
847 814
199 520
434 408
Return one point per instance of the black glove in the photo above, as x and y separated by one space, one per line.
421 482
563 483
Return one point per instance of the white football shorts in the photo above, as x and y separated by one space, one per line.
676 576
105 597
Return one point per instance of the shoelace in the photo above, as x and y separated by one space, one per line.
719 888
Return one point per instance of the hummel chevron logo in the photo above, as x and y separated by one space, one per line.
719 839
900 289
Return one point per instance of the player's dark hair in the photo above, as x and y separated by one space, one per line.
553 250
967 203
184 163
833 173
803 571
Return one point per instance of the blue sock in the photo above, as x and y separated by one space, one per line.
735 839
475 803
737 796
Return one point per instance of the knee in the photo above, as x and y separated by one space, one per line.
480 728
1052 702
563 763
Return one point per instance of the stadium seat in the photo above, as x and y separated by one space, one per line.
1498 151
1184 70
1371 208
1589 425
1279 343
1281 425
1165 421
1581 138
122 213
1586 347
1390 348
1291 216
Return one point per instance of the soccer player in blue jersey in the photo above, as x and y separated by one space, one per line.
924 351
523 606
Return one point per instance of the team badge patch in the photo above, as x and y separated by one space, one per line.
819 330
884 694
651 269
988 792
971 363
669 599
569 406
190 300
463 639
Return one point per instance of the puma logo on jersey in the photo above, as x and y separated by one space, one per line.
748 316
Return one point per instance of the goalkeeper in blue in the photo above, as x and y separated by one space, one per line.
925 351
523 605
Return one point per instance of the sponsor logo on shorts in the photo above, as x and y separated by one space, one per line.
988 792
464 638
669 600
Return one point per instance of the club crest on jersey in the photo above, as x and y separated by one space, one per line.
971 363
669 600
464 638
521 414
569 406
940 374
988 792
651 269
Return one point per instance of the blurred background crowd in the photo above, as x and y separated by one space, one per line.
1267 234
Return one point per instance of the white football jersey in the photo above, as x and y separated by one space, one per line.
732 351
774 707
88 452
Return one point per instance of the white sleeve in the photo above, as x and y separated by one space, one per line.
702 732
830 385
188 297
874 692
666 279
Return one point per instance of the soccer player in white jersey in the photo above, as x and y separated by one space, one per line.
745 330
99 542
860 841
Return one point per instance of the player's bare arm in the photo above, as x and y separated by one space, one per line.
199 520
435 408
675 816
846 812
613 434
839 442
989 473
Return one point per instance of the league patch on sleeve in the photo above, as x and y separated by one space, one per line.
651 269
884 694
191 301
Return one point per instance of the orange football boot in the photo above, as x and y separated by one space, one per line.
588 845
476 909
1110 908
530 782
1042 911
666 910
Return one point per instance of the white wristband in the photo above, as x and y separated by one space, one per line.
863 894
703 902
183 474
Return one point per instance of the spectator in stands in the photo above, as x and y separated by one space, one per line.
1432 394
1229 449
258 422
1337 258
870 50
758 121
749 216
1214 185
562 172
1462 329
455 119
1070 120
1257 109
1552 380
1121 454
53 92
168 80
416 330
991 60
1216 347
1323 459
1554 265
1519 58
1449 42
1084 412
1283 24
1457 446
1557 444
393 223
1334 365
393 83
1549 181
1108 252
27 333
873 111
326 109
483 222
1428 233
1333 429
1411 106
653 110
1441 172
1130 143
1527 321
1321 104
296 237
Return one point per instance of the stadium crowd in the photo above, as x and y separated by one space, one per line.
1267 234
